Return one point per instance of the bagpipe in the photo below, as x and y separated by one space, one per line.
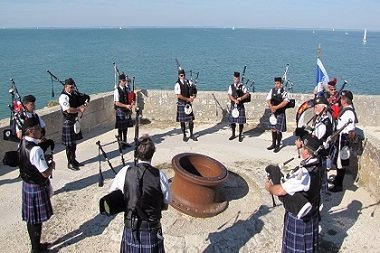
114 202
17 109
192 84
131 92
246 83
288 86
79 97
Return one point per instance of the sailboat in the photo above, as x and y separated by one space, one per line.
365 36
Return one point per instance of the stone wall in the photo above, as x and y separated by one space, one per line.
211 107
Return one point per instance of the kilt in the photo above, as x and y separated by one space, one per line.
239 120
181 115
300 235
281 122
36 205
149 241
68 135
123 119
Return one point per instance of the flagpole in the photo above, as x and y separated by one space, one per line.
319 51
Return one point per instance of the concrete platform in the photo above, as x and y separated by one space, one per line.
350 220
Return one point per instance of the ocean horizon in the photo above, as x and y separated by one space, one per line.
148 54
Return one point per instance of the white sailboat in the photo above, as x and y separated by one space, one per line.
365 36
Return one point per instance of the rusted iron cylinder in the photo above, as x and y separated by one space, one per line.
196 185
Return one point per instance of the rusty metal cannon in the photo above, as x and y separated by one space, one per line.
196 185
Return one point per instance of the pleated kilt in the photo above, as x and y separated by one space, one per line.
281 123
36 205
181 115
239 120
300 235
123 119
68 135
143 242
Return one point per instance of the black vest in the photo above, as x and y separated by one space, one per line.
123 97
277 99
313 194
237 92
143 195
344 109
185 90
28 172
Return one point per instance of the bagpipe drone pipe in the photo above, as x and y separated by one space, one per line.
288 85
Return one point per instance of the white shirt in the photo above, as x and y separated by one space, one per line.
119 180
298 181
344 119
37 157
64 102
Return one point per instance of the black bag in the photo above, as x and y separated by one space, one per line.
291 104
11 158
112 203
246 100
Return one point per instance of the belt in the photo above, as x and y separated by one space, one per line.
142 225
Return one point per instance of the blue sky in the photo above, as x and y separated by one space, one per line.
338 14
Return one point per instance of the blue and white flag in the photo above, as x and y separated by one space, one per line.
322 77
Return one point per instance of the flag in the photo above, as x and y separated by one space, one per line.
322 77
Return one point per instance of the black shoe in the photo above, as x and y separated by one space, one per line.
193 138
276 149
72 167
232 137
185 139
336 188
45 246
240 138
78 164
271 147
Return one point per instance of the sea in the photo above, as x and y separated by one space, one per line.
148 55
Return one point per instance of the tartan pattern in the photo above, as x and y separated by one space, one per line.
68 134
239 120
281 123
181 115
123 119
300 235
36 205
148 243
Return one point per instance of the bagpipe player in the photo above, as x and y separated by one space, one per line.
237 92
277 100
71 106
36 189
29 105
303 182
342 159
123 107
186 92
